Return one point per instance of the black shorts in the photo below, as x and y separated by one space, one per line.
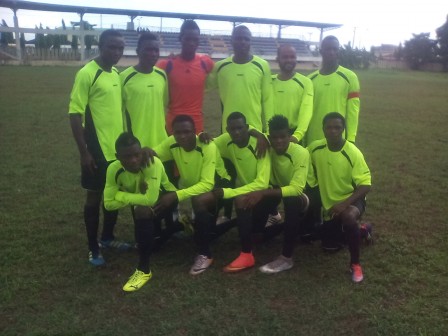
335 223
97 180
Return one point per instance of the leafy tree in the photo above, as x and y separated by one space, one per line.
39 39
398 54
355 58
442 44
419 50
6 37
74 43
22 41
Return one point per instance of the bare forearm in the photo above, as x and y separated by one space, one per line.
78 133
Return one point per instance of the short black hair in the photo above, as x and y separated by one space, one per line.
125 139
183 118
106 34
333 115
285 45
188 24
235 116
241 27
146 36
278 123
329 38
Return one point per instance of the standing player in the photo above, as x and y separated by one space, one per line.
289 169
196 162
335 89
252 174
293 98
96 122
344 180
187 74
128 182
145 94
244 82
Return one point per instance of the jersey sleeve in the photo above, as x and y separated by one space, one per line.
163 149
111 189
267 96
207 177
259 183
361 172
311 178
299 178
79 96
353 106
152 177
306 109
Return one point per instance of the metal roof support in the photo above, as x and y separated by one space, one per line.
81 37
17 34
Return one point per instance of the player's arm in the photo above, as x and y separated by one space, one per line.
299 178
267 96
207 177
79 98
359 193
152 177
111 189
262 142
163 151
212 78
353 106
260 182
306 110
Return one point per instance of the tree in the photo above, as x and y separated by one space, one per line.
419 50
442 44
75 42
6 37
355 58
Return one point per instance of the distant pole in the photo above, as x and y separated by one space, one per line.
17 33
81 37
353 41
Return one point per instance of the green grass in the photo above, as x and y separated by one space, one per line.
48 288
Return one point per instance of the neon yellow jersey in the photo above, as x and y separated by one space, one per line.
96 96
245 88
252 173
337 92
145 97
289 171
196 167
123 187
338 173
293 99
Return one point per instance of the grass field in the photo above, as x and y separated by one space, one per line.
47 286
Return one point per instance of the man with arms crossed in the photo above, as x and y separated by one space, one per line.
344 180
96 121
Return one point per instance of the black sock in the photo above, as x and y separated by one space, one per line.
110 219
91 220
144 231
244 221
202 224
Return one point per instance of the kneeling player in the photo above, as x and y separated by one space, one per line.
344 180
129 183
289 169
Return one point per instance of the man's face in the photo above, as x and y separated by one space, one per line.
279 140
148 53
190 41
131 158
238 131
330 51
333 130
241 41
112 50
287 59
185 135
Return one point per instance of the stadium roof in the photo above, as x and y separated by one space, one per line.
16 5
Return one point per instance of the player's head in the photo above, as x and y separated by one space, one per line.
329 49
241 37
238 128
184 131
111 46
189 37
147 49
279 133
333 126
129 152
286 58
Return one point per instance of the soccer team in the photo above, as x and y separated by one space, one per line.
285 139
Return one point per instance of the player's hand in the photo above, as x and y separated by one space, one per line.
251 199
143 186
205 138
88 163
337 209
293 139
262 146
147 156
165 202
218 193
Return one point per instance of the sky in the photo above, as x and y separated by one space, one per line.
365 23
